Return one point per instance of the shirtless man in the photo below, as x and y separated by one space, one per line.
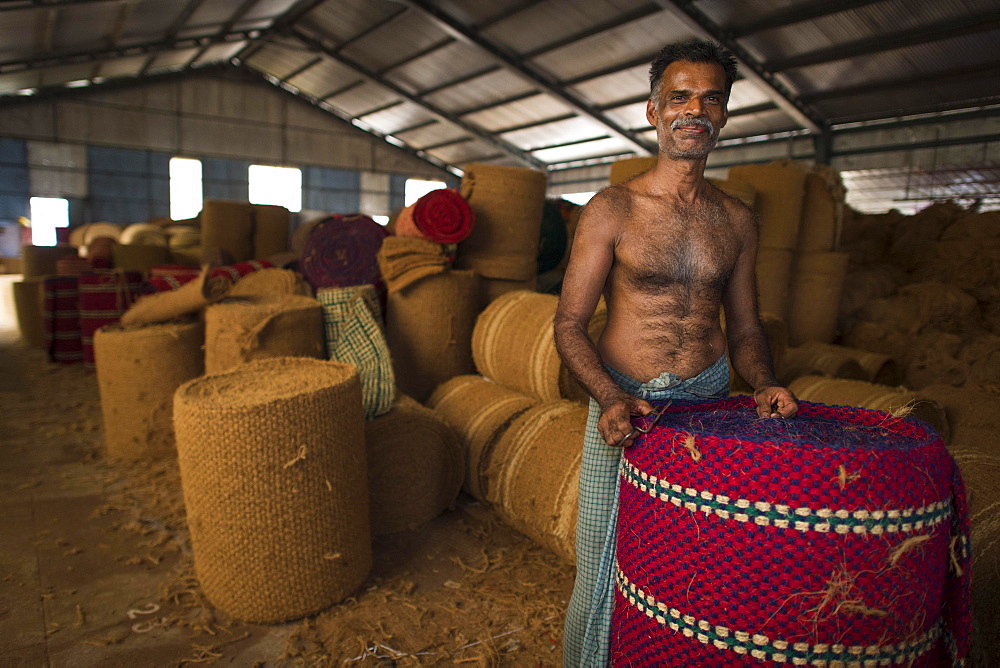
667 249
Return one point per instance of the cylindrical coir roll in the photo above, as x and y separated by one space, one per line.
780 191
891 400
623 170
146 234
822 359
139 257
508 203
973 416
171 303
479 411
236 333
270 229
491 289
774 280
428 327
138 371
817 285
818 229
411 447
533 474
228 226
270 284
275 482
742 191
39 261
981 475
29 298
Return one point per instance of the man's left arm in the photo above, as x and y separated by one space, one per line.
747 342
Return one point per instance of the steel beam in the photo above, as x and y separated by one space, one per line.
799 13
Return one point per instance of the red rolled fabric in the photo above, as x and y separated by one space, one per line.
442 216
62 320
171 277
103 299
341 251
100 252
839 537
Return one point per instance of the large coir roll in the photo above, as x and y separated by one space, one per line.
40 261
228 226
479 411
411 447
818 229
29 300
508 203
428 327
275 481
981 474
513 344
819 359
533 474
138 371
774 280
817 286
623 170
858 393
973 416
270 230
236 333
838 538
780 191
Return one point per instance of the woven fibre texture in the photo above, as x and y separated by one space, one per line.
442 216
479 411
340 251
780 192
139 257
29 296
40 261
839 535
817 286
823 359
275 483
973 415
270 230
62 320
508 203
428 328
623 170
843 392
403 261
490 289
170 302
414 448
236 333
533 474
138 371
270 284
228 226
103 300
352 323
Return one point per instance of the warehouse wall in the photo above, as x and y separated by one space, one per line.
108 150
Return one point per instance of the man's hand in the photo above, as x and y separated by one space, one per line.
774 401
615 423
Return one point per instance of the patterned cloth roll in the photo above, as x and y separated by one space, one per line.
62 320
103 299
340 252
442 216
170 277
839 537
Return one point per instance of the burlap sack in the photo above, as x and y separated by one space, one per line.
479 411
270 284
415 444
270 229
29 295
275 482
138 371
191 297
228 226
780 191
237 333
429 330
533 474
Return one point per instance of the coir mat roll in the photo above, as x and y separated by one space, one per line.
274 474
442 216
104 298
61 321
341 250
838 537
138 371
29 298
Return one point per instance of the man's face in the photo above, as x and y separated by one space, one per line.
691 109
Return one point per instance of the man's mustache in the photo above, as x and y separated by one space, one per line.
692 121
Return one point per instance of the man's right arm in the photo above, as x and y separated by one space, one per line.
589 265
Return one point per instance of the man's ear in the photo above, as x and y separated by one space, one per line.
651 112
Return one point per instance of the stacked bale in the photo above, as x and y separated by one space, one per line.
274 476
270 229
29 301
139 257
503 245
228 226
828 359
138 371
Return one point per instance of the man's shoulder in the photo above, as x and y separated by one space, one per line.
735 208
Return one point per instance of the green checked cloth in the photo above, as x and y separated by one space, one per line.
352 320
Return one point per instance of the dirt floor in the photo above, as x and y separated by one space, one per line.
96 568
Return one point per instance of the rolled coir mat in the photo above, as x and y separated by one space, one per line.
270 284
275 481
839 537
780 192
138 371
340 251
352 323
819 359
774 280
146 234
429 330
513 344
858 393
411 447
442 216
228 226
103 300
40 261
822 206
270 229
533 474
479 411
190 297
973 415
29 300
623 170
405 260
981 475
61 320
239 332
817 285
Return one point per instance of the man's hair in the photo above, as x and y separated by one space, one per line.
694 51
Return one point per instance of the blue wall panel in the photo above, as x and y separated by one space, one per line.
15 186
127 186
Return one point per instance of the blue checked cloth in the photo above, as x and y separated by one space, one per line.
586 636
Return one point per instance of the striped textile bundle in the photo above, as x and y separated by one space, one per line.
839 537
62 320
171 277
442 216
352 323
340 252
104 298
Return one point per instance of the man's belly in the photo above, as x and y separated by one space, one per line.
645 357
